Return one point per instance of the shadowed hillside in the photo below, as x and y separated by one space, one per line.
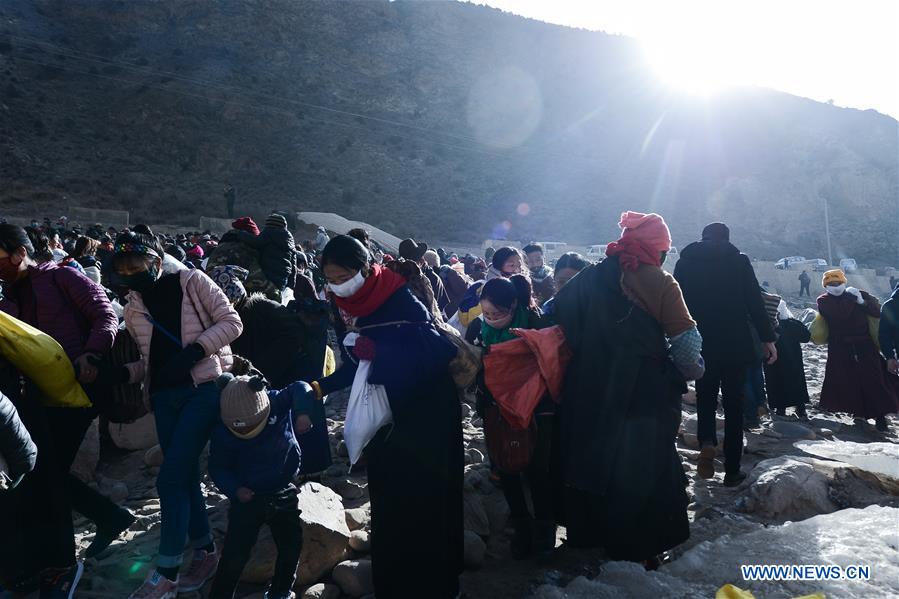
431 119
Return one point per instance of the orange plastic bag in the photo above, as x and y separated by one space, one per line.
520 372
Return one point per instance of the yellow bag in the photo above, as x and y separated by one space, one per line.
874 330
819 331
42 360
330 361
729 591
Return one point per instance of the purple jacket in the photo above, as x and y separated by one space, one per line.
70 308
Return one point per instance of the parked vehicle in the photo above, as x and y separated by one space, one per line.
789 261
596 253
848 265
553 250
819 265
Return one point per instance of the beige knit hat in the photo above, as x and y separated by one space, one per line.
244 404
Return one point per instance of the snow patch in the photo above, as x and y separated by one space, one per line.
867 536
880 458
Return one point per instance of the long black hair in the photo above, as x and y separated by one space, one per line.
346 252
502 255
504 293
571 260
13 237
150 241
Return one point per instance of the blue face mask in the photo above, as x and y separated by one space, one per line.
141 282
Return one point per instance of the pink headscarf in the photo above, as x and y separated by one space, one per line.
195 252
643 239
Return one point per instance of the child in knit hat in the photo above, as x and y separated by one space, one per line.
253 459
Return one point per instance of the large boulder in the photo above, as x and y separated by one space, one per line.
140 434
475 550
788 488
85 464
322 591
354 577
325 538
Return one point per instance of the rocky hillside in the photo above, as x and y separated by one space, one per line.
432 119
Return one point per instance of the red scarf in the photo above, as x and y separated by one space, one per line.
643 239
632 252
380 285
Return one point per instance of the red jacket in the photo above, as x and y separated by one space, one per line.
71 308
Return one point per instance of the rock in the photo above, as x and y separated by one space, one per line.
85 464
467 410
349 490
788 488
322 591
475 550
140 434
154 456
691 424
475 516
354 577
325 538
690 440
497 510
792 430
689 397
342 450
115 490
358 518
474 456
359 541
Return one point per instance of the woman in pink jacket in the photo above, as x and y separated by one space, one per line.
182 324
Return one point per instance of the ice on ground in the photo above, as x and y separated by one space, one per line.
880 458
849 537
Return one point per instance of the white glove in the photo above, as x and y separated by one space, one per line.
858 294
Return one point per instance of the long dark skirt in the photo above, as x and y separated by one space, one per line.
415 472
856 381
644 510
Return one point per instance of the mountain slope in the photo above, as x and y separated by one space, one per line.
432 119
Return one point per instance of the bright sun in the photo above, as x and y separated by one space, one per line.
693 64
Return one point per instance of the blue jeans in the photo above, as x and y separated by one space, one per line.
754 393
185 417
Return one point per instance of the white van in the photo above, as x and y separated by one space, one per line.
552 250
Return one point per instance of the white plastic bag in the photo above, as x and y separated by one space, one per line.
368 410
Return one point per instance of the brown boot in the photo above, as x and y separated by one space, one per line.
705 466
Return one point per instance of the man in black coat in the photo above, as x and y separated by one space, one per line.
722 293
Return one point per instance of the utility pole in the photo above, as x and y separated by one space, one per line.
827 232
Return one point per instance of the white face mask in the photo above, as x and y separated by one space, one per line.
837 290
349 288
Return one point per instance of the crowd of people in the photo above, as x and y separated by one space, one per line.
579 370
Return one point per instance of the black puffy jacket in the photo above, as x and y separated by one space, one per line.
277 254
16 445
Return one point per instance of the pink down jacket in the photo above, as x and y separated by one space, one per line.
207 318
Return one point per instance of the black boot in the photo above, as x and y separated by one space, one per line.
544 537
521 544
105 536
800 412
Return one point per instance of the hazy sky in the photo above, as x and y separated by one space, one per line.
844 50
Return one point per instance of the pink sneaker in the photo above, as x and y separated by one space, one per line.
202 567
156 586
